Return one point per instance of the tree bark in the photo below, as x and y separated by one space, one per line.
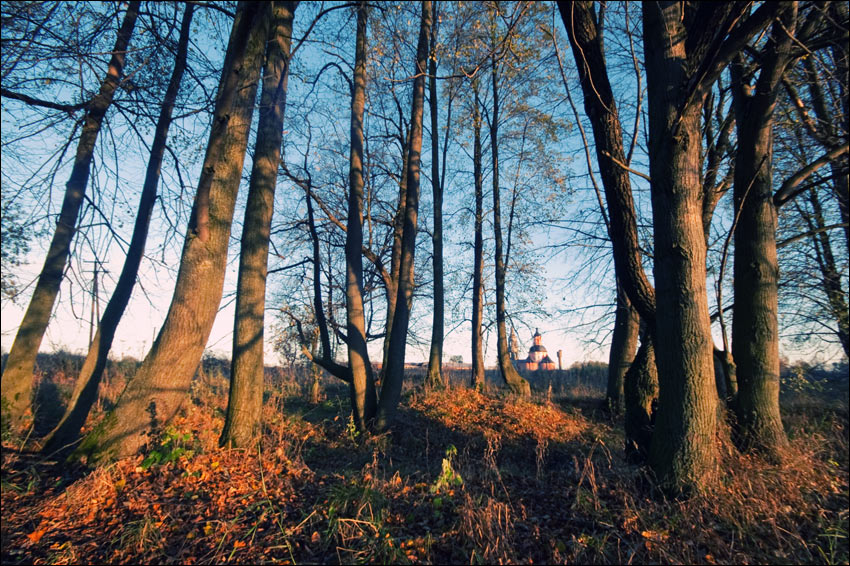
755 326
511 377
682 452
435 360
17 377
66 433
641 391
478 253
394 377
395 253
362 384
638 295
623 346
243 421
159 387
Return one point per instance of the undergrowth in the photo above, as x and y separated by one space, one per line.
463 477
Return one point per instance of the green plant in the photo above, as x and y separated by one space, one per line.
449 477
140 535
351 429
173 445
832 545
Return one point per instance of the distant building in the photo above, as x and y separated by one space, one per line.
538 357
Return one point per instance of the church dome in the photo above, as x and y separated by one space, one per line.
538 356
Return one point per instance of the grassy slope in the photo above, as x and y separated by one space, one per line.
527 482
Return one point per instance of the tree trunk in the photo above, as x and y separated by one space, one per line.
600 106
641 391
840 186
159 387
363 383
394 377
243 422
836 297
682 453
435 360
755 326
623 346
326 360
395 253
17 377
636 295
478 262
510 375
66 433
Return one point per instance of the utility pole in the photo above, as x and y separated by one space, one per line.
95 304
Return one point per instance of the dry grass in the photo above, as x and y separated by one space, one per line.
463 478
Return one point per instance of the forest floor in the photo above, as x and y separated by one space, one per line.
463 477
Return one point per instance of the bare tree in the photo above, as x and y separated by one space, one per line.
162 382
687 46
243 422
364 402
66 433
17 376
394 376
435 360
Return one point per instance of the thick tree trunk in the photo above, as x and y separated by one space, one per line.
478 261
363 383
755 325
682 453
16 382
243 422
435 359
154 395
66 433
511 377
623 346
394 377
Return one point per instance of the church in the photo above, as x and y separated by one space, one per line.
538 357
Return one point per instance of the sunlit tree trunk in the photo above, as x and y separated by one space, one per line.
363 384
16 382
435 360
243 421
394 376
162 382
511 377
66 433
395 252
478 253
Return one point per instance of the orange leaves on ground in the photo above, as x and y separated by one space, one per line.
36 535
472 412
